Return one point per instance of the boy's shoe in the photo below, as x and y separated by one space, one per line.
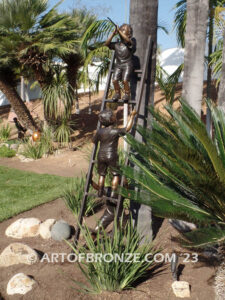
116 97
100 191
105 220
126 98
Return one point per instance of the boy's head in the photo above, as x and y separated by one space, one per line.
107 117
127 30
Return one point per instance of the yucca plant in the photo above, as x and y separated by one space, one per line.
63 129
182 171
4 132
118 273
33 150
73 196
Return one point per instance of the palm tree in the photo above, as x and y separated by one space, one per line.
9 64
144 21
221 96
215 9
82 19
195 38
182 171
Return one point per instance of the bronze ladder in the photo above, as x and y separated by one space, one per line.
93 160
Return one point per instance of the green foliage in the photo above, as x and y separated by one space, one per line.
5 131
58 96
63 130
45 146
115 275
6 152
182 170
73 196
47 138
33 150
168 83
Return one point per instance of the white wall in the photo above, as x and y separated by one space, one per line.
28 94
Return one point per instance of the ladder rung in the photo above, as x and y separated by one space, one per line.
92 195
104 197
111 199
94 161
135 71
120 101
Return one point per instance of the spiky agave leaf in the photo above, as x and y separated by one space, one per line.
180 168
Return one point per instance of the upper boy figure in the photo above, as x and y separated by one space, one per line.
123 64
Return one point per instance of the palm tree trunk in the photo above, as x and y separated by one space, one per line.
209 71
18 105
221 94
143 19
195 39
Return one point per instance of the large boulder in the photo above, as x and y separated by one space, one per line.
60 231
24 227
20 284
45 228
18 253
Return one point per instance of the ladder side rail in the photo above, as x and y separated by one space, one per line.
93 154
139 98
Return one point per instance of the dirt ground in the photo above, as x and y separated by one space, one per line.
54 280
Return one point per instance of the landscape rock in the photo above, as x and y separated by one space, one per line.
17 253
60 230
181 289
21 148
20 284
4 144
45 228
27 159
14 147
24 227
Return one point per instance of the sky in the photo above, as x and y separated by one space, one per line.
118 11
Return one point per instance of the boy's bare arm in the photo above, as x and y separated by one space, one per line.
124 37
108 41
131 121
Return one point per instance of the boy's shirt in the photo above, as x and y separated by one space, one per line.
123 51
108 138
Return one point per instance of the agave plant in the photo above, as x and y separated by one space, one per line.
181 171
116 273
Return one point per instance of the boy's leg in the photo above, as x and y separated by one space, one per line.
101 182
126 96
127 71
115 183
116 77
117 95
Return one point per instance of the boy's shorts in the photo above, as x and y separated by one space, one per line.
110 163
123 71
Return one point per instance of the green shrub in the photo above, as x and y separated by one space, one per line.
47 138
7 152
116 274
64 130
74 195
33 150
4 132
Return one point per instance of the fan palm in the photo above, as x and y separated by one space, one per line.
181 171
9 79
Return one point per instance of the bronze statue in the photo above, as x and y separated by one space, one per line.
20 129
123 64
107 155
